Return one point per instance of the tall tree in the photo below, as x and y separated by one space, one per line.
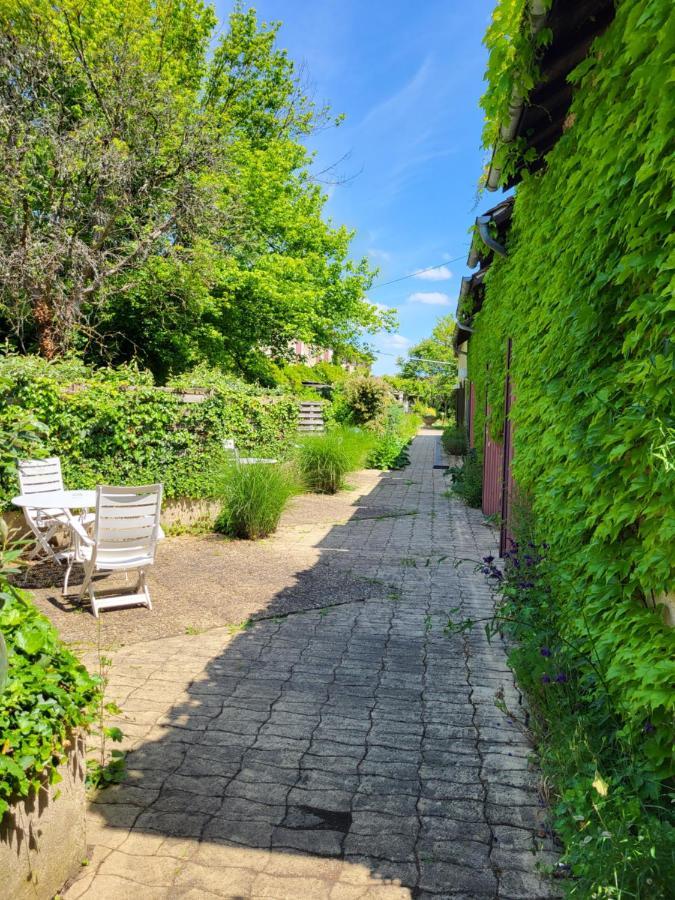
156 202
430 370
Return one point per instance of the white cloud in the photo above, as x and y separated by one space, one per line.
395 342
382 255
440 273
380 307
430 298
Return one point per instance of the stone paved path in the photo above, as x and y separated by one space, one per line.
350 752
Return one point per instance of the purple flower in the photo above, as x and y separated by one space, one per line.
648 727
561 678
545 679
545 651
488 559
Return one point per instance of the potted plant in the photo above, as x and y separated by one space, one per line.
429 416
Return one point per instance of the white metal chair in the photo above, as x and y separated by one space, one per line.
43 476
230 445
126 531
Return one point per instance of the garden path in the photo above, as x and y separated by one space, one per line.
349 752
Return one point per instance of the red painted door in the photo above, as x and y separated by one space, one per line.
508 486
492 471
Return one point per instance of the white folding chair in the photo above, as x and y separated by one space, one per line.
126 531
230 445
43 476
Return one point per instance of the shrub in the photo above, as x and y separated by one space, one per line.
368 399
324 460
454 440
254 497
390 449
467 480
113 425
49 692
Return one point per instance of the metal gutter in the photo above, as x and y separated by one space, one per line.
483 223
538 12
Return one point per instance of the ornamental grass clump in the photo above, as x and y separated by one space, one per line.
254 496
324 460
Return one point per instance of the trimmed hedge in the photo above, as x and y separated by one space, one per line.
115 426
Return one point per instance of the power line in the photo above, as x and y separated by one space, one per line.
418 272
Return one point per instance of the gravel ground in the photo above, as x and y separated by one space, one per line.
201 582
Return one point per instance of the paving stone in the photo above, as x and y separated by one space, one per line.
342 754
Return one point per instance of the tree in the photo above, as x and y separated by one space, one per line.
156 203
429 373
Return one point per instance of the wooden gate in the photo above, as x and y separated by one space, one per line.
310 417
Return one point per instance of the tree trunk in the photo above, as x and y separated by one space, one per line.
43 313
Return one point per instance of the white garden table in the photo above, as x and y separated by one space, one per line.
61 500
65 500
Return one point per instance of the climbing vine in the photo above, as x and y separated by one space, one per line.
586 295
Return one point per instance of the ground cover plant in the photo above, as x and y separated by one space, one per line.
254 496
390 450
48 694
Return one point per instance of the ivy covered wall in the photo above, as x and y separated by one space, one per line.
586 294
112 426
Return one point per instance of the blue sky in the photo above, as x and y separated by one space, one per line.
408 77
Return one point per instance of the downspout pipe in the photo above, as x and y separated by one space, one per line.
483 225
537 11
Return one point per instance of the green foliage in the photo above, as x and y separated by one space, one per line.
291 377
429 374
48 695
467 479
254 497
156 200
511 71
112 426
588 280
609 811
455 440
323 461
367 398
390 449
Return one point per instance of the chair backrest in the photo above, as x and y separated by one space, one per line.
127 522
40 476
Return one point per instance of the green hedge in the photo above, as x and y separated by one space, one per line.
586 294
114 426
